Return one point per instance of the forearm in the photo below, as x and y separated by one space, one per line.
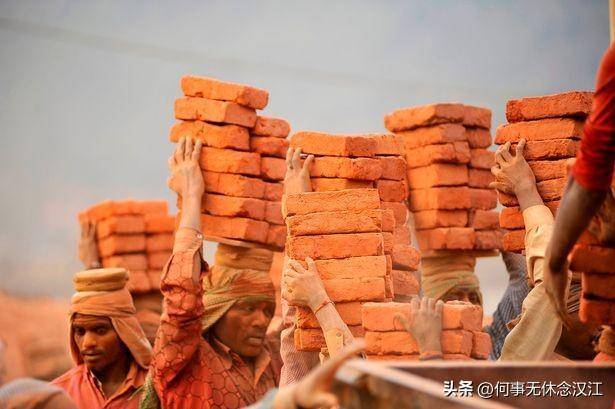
191 212
528 196
329 319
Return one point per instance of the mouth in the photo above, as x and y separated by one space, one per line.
255 340
91 356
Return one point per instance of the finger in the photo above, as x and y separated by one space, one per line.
179 150
403 321
424 304
431 302
289 158
506 152
502 187
171 162
307 162
188 148
414 303
297 266
439 307
520 147
311 265
323 400
196 152
496 170
297 159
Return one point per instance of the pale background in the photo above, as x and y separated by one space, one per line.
87 89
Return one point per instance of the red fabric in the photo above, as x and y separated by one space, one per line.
593 168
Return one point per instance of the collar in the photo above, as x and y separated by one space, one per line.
134 380
261 363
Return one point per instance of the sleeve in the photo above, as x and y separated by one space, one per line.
179 335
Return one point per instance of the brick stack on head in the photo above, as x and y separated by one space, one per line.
242 158
445 146
552 125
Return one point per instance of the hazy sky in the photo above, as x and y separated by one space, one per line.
87 89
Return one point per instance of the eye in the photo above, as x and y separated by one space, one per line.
101 330
79 331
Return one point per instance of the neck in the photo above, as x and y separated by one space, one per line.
114 375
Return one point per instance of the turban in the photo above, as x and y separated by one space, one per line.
28 393
115 303
443 274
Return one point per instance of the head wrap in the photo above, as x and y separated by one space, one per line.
116 305
28 393
443 274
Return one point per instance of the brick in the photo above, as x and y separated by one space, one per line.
273 127
312 339
446 238
389 293
483 219
351 199
513 240
276 236
138 282
549 190
363 221
212 88
333 184
352 267
159 242
402 235
599 285
388 241
235 228
392 190
269 146
220 205
335 246
209 110
476 116
405 284
121 244
439 174
230 161
549 150
597 311
482 159
109 208
488 240
432 135
405 257
273 191
273 168
394 342
273 213
234 185
549 169
446 198
400 211
120 225
393 167
480 178
478 138
430 219
462 315
481 345
388 145
215 136
346 168
592 259
318 143
355 289
484 199
424 115
127 261
157 260
159 223
151 207
350 313
567 104
512 218
541 130
455 152
456 341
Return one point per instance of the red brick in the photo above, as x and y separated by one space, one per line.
353 267
350 313
394 342
393 167
269 146
456 342
127 261
455 152
151 206
478 138
405 257
392 190
484 199
512 218
432 135
400 211
121 244
476 116
202 109
481 345
597 311
159 223
549 169
273 213
483 219
363 221
388 241
402 235
273 127
549 150
346 168
488 240
446 198
335 246
541 130
351 199
462 315
219 205
430 219
446 238
482 159
572 103
355 289
159 242
312 339
592 259
273 168
405 284
599 285
157 260
215 136
212 88
138 282
334 184
273 191
120 225
424 115
480 178
107 209
549 190
276 236
235 228
234 185
439 174
513 240
318 143
388 145
229 161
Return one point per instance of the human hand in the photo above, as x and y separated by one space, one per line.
425 323
301 286
186 178
512 173
88 250
555 279
297 178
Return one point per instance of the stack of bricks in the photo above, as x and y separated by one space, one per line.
552 126
445 146
462 335
242 158
364 162
343 232
135 235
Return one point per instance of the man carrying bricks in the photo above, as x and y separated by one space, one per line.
538 333
450 278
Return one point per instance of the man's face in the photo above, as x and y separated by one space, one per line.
460 294
97 341
244 326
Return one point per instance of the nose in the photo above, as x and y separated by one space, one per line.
260 319
89 340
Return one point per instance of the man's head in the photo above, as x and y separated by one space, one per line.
451 278
97 342
463 293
